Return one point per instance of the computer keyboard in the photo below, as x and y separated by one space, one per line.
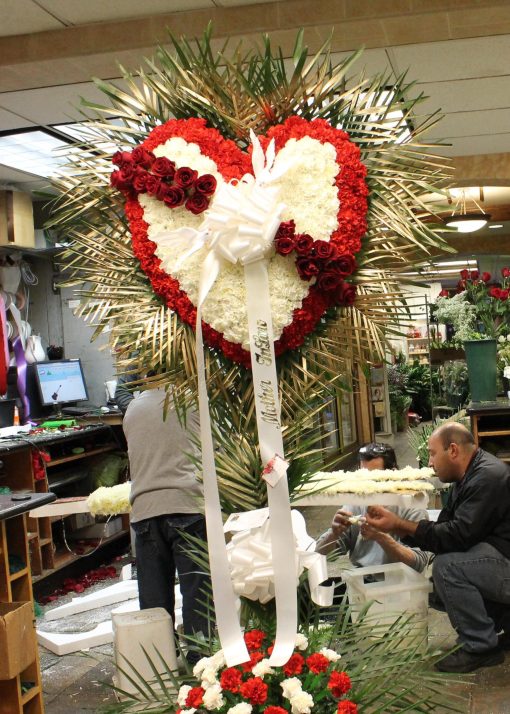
81 409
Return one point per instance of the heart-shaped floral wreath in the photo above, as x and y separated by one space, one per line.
170 180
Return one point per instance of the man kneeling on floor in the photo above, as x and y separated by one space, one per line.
471 538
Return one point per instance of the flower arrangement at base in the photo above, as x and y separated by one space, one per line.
312 680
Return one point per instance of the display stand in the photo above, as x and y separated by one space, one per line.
490 421
22 693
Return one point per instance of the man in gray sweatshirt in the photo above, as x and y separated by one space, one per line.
167 501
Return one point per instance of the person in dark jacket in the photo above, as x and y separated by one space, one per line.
471 539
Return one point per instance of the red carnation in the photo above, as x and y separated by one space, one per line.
174 197
317 663
254 639
294 665
142 157
195 697
505 272
464 274
255 657
197 203
206 184
307 267
339 683
163 167
347 707
304 244
255 690
231 679
323 249
486 277
275 710
185 177
284 245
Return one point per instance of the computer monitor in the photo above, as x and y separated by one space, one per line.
60 382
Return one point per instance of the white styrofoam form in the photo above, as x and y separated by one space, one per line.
123 590
410 500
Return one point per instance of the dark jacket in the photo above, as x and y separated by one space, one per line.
477 511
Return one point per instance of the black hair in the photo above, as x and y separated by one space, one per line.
375 450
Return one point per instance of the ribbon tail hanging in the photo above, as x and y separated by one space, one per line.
267 406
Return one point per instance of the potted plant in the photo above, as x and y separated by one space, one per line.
398 391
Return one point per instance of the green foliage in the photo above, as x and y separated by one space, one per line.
419 438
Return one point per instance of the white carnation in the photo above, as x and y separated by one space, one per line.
261 668
201 665
213 697
301 703
301 641
330 654
188 711
242 708
218 660
291 687
208 676
183 693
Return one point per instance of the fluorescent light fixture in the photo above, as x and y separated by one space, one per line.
495 225
449 263
32 152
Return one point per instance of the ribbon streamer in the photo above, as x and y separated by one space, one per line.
240 227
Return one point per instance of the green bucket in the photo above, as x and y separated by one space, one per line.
481 358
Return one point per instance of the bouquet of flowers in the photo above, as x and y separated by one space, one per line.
311 679
480 308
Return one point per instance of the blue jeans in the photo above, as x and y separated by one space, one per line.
161 550
475 589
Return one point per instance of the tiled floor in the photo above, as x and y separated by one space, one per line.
73 684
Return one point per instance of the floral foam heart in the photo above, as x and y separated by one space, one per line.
170 179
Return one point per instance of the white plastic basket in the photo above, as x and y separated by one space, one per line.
395 589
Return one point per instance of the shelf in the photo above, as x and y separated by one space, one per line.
45 541
19 574
30 694
418 352
31 536
500 432
65 480
84 454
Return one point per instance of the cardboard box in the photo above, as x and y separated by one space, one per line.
17 638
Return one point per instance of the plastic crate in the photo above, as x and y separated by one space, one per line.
395 589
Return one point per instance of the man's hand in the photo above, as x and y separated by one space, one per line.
370 533
382 519
340 523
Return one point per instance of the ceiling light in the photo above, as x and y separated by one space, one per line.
32 152
495 225
468 223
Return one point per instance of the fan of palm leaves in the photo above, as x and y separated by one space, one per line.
237 90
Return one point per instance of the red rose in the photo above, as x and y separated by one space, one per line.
185 177
284 245
304 244
163 167
206 184
503 294
142 157
231 679
323 249
307 267
140 181
347 707
254 639
174 197
486 277
444 293
329 280
495 293
474 275
464 274
505 272
195 697
255 690
152 184
294 665
287 229
317 663
122 157
345 294
339 683
343 265
197 203
117 181
461 286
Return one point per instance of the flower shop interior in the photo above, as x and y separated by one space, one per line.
444 356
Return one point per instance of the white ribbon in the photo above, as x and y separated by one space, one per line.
250 557
240 227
